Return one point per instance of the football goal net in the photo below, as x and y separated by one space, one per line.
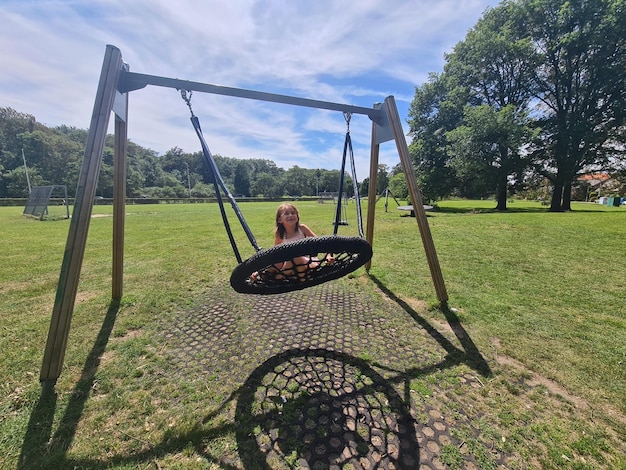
48 201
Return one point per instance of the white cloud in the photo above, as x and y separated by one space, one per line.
347 52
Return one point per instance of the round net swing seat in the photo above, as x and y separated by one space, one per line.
300 264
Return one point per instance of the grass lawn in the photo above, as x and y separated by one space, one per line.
540 294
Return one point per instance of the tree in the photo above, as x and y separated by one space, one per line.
486 151
398 187
561 63
266 185
241 180
580 87
437 107
15 183
259 166
382 179
328 180
494 64
298 181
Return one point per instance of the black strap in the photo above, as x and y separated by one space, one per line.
341 178
357 196
347 146
217 180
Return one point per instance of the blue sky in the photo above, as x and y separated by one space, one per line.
355 52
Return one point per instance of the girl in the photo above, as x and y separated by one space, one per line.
289 228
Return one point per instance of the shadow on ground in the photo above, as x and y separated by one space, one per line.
315 408
319 378
40 442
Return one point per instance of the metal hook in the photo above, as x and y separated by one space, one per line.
347 116
186 96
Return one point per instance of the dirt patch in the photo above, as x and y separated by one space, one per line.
535 379
14 286
131 334
85 296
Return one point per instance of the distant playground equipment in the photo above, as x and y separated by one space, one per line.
116 83
341 215
334 197
386 193
412 211
41 197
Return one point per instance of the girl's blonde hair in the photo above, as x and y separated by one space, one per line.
280 228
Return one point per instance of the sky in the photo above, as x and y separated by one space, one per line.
356 52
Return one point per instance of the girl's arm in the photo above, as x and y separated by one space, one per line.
306 231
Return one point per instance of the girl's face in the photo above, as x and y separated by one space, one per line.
289 216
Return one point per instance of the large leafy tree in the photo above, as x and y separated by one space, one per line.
485 151
580 86
437 108
495 64
561 63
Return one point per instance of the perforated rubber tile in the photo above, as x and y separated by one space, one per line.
324 377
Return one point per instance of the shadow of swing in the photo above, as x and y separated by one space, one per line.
323 408
302 406
469 355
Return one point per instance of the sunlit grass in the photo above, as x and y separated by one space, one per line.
545 289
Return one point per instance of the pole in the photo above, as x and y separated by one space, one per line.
371 197
188 180
119 197
416 199
67 288
26 169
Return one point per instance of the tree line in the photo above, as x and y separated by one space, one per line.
535 92
53 156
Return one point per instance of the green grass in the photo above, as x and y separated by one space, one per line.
542 293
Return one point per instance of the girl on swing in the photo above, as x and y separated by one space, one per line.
289 229
288 226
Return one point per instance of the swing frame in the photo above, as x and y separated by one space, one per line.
115 84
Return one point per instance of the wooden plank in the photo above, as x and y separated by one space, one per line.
119 199
134 81
371 195
416 198
56 344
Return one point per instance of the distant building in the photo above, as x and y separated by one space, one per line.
590 186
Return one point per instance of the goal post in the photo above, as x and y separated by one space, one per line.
40 198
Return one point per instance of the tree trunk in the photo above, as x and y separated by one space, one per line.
566 202
557 194
501 195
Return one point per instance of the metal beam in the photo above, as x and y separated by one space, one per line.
130 81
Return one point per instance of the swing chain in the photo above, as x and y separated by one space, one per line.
347 116
186 96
